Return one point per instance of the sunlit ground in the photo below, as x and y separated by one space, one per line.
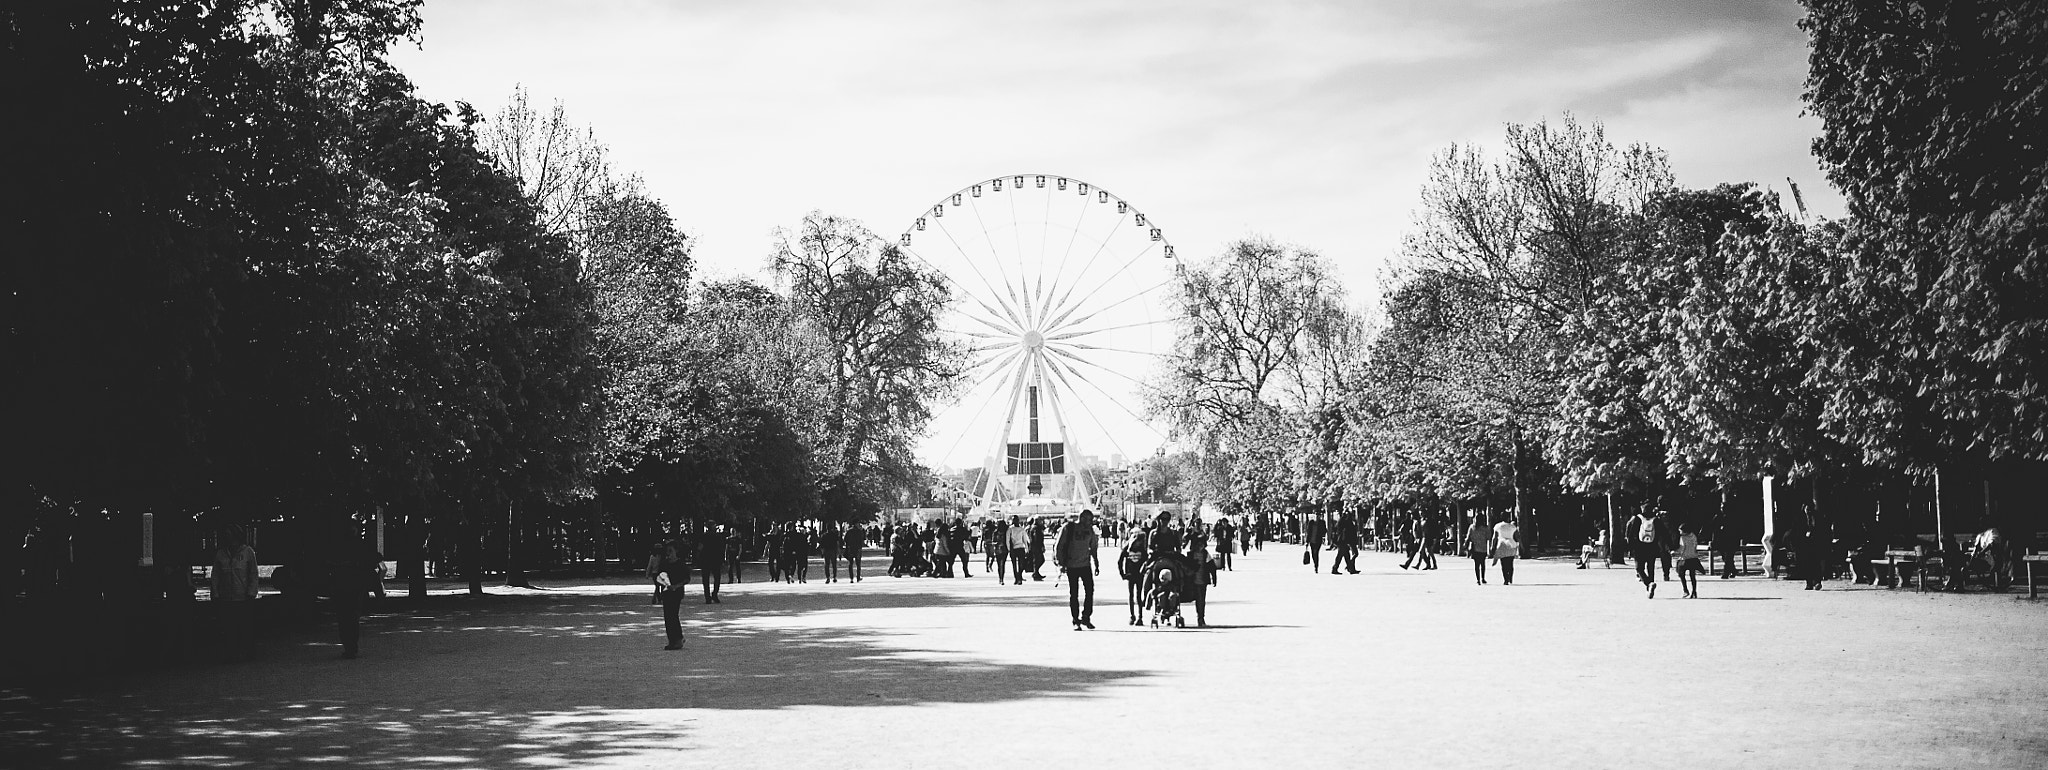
1390 668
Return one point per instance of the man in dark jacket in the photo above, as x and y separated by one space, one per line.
1078 557
708 557
669 571
1346 543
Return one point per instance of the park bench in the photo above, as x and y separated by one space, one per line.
1900 561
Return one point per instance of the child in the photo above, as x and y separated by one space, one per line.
1165 597
1688 556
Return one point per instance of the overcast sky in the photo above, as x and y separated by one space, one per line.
1309 122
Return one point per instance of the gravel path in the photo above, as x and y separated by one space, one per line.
1389 668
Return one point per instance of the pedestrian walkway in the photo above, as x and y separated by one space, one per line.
1566 668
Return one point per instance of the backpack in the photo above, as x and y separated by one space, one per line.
1648 532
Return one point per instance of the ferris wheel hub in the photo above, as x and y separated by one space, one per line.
1034 339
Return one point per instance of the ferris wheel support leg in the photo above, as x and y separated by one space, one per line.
1059 417
1018 377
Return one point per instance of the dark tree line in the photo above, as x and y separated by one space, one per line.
254 278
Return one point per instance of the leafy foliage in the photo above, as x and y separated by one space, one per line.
878 316
1933 120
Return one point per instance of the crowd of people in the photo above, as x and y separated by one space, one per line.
1165 561
1011 548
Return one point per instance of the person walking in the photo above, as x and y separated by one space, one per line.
828 550
1346 541
1164 538
1405 534
961 543
991 548
1078 552
1479 546
806 547
351 569
1130 565
995 540
1507 546
667 570
1689 567
1226 539
1035 548
1725 543
1667 541
1811 554
1642 544
1205 576
1313 531
709 558
1019 540
234 593
735 554
854 539
1425 540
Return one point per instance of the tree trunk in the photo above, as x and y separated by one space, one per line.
472 557
1939 531
515 564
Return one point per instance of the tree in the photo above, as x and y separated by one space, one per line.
1607 432
1932 116
560 167
1255 324
878 315
1507 260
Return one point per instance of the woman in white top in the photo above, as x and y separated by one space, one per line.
1506 547
1688 558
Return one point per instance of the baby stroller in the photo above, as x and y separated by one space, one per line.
1169 579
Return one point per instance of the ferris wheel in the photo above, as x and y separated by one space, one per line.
1061 294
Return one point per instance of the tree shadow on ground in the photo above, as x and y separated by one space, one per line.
528 680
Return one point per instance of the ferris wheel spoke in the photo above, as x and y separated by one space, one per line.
1067 253
1100 425
1104 284
1009 311
1009 352
978 299
1084 346
1061 324
1000 334
1081 276
1044 240
997 260
1103 330
1002 331
1017 240
1014 379
1076 373
1083 361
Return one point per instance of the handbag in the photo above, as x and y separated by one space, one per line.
1305 557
